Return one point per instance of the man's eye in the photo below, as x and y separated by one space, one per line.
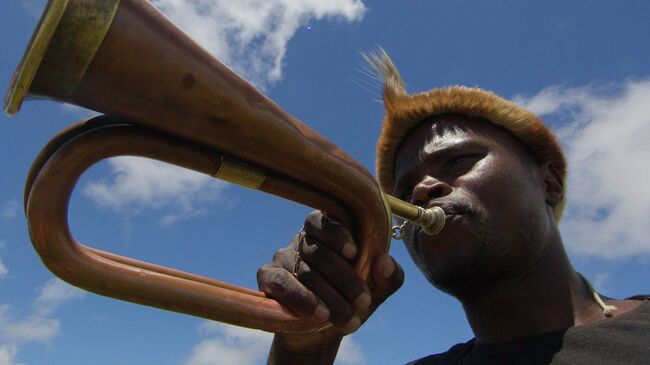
461 160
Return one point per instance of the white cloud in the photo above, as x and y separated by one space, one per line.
232 345
10 209
251 36
606 135
138 183
39 325
8 354
53 294
34 328
350 352
3 268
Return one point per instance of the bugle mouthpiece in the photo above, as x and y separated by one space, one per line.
432 220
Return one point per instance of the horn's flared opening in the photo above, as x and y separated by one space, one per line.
69 34
36 49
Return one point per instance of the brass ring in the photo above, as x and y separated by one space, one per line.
397 232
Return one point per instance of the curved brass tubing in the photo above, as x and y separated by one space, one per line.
48 189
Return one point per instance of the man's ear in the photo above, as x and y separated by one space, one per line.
552 184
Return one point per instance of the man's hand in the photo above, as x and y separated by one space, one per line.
324 287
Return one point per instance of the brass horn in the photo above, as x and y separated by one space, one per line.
166 98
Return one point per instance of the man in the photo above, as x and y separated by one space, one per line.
499 174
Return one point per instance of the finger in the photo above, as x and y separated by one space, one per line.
331 233
341 314
284 258
283 286
388 276
336 271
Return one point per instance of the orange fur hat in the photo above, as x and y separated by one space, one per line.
404 112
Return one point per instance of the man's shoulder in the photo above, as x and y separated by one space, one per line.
588 344
450 357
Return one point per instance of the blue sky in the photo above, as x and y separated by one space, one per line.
582 65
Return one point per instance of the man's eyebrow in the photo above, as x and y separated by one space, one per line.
433 152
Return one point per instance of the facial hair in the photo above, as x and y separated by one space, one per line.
494 257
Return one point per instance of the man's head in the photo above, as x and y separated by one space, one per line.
501 183
498 200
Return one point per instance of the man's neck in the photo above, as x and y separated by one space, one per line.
549 297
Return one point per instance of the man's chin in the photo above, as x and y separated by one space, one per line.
452 285
461 237
461 277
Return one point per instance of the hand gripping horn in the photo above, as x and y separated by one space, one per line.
166 98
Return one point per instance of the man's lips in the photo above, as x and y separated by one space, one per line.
453 212
451 209
449 217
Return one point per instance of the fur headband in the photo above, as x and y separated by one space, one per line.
404 112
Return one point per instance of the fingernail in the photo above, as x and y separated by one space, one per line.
389 267
321 313
363 301
349 250
352 324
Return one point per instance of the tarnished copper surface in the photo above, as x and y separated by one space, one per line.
50 184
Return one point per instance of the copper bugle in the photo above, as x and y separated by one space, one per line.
166 98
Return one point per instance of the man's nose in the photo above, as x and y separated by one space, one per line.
429 188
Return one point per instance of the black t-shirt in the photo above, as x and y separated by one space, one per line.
624 339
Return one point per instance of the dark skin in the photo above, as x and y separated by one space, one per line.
500 240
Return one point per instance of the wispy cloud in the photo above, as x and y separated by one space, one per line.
251 36
138 183
231 345
350 352
33 328
606 133
8 355
10 209
54 294
3 267
38 326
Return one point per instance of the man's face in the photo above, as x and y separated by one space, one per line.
492 191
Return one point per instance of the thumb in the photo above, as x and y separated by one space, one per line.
388 276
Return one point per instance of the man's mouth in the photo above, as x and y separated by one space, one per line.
452 211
